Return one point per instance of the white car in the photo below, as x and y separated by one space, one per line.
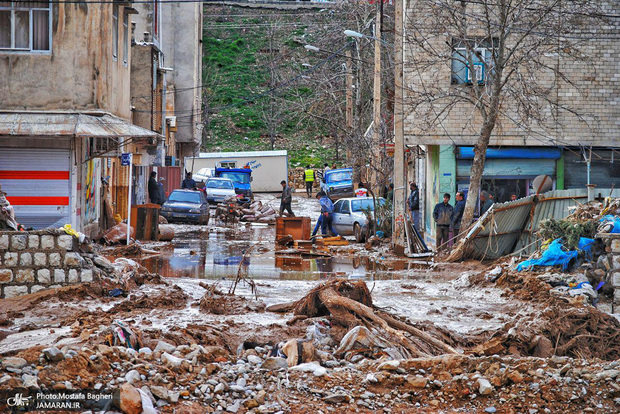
203 174
218 189
349 218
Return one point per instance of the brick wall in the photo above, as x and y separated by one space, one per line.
590 89
32 261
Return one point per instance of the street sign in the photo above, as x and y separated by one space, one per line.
126 158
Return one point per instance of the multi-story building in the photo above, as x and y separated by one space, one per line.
65 112
572 137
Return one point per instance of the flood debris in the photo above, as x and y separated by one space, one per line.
349 304
231 211
118 234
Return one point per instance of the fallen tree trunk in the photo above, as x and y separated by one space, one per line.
350 304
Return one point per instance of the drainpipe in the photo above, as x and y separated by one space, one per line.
590 191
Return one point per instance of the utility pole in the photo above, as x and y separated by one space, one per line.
398 220
349 114
375 148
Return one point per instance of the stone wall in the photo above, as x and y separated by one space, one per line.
32 261
610 264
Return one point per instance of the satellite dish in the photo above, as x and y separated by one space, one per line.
542 184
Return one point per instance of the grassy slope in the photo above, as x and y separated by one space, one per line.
234 65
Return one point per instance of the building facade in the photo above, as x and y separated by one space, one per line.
65 112
572 133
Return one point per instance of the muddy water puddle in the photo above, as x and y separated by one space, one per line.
220 252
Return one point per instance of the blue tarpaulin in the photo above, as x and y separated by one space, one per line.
556 255
613 221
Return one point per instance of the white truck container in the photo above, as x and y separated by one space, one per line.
268 167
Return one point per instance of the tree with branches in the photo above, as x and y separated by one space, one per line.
505 59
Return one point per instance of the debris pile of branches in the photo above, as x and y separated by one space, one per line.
579 332
231 211
349 304
583 222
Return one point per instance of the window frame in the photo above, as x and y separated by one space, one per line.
482 46
115 9
11 49
126 39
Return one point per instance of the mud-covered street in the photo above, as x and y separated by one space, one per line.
205 312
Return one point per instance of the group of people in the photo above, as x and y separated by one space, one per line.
325 221
157 195
310 176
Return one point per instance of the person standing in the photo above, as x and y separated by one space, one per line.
443 217
414 204
161 192
287 197
390 194
513 197
457 214
361 191
327 210
189 182
485 202
153 188
309 176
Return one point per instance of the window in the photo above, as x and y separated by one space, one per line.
345 208
480 54
228 164
115 32
338 206
25 26
125 38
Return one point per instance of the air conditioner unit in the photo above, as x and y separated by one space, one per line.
480 72
172 123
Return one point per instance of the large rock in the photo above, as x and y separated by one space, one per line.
131 400
18 363
159 391
132 376
171 361
336 398
484 386
53 354
165 347
274 364
389 365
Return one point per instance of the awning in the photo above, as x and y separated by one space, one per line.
70 124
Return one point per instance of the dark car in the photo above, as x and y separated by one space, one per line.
187 206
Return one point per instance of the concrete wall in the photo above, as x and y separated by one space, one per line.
142 85
592 90
33 261
182 46
80 72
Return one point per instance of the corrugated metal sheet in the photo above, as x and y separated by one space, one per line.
242 154
497 232
555 205
509 168
98 125
512 226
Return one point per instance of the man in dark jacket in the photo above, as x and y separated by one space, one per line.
485 202
457 214
189 182
287 197
153 188
413 202
443 217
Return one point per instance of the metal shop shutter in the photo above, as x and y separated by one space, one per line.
37 183
509 168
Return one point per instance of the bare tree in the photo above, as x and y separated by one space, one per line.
504 57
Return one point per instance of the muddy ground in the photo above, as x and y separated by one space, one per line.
519 348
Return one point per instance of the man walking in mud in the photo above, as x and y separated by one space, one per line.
285 199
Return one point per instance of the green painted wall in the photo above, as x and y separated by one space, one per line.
559 173
447 171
